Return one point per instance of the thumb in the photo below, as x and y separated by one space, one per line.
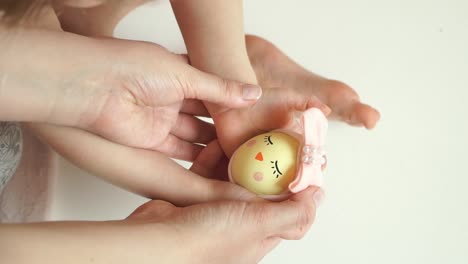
227 93
290 219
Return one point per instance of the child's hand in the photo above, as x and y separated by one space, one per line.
145 172
274 69
276 109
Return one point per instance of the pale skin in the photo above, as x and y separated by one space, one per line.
74 93
159 232
163 179
214 37
216 44
300 90
265 60
119 96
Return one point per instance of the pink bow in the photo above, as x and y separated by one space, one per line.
311 154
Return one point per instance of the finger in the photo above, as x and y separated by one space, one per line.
194 107
152 210
346 105
289 219
179 149
208 159
221 169
364 114
210 88
356 113
192 129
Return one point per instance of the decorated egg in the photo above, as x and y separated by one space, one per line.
282 162
266 164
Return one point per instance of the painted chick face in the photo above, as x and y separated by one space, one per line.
266 164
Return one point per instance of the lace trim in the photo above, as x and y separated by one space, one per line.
11 145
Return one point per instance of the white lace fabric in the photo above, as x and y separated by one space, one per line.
11 145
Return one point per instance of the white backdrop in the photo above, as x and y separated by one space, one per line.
395 194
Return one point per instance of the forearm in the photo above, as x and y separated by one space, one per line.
214 35
89 242
35 84
98 21
145 172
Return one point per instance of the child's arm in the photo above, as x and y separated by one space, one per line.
214 35
145 172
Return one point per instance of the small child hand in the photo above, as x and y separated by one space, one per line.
276 69
276 109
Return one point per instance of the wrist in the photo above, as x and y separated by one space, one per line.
85 88
37 84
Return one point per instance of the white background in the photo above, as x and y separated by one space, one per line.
396 194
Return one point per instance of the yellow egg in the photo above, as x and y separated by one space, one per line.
266 164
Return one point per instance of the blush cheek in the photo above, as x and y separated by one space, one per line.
251 143
258 176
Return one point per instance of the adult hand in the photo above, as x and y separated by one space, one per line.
148 103
230 231
158 232
133 93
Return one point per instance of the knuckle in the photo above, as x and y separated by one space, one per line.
184 86
226 87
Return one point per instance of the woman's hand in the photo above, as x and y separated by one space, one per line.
158 232
133 93
149 103
230 231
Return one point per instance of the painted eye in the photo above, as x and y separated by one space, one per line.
276 170
267 140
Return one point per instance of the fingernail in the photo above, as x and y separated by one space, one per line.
318 197
251 92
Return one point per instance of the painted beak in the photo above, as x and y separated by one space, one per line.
259 156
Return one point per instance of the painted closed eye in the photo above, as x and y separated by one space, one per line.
267 140
276 170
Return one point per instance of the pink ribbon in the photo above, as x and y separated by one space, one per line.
312 155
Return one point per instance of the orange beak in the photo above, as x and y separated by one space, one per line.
259 156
